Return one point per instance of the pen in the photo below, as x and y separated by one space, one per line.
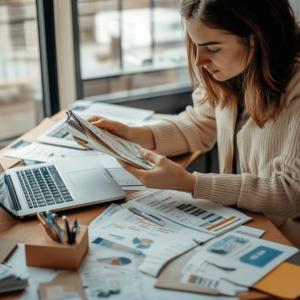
67 228
74 231
49 217
45 223
73 235
59 232
76 224
149 217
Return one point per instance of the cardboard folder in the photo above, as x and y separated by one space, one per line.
7 247
64 282
282 282
170 277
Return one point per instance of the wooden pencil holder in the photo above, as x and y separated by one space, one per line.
43 252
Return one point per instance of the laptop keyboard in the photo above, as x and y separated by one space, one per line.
43 186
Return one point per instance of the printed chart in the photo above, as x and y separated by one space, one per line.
115 261
142 243
202 215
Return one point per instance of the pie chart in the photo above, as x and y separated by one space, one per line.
121 261
115 261
142 243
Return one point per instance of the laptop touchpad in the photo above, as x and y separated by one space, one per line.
86 178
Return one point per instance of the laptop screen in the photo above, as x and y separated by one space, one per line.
5 200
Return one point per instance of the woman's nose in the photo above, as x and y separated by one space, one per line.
201 59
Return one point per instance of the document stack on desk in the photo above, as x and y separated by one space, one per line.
106 142
10 281
162 236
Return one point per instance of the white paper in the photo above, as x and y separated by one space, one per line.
136 188
164 294
211 282
238 258
249 231
112 110
199 214
48 153
124 178
111 274
158 244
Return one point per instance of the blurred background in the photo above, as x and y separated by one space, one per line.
123 45
123 49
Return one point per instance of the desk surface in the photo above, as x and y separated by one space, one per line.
20 230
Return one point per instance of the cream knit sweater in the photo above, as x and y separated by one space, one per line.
269 157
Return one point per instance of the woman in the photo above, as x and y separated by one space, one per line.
243 59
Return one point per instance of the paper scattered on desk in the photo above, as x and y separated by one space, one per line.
199 214
209 281
249 231
158 244
111 273
237 258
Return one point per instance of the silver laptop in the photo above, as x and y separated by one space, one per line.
55 186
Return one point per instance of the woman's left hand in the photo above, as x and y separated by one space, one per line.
166 174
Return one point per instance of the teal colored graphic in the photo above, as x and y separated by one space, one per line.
260 256
227 245
142 243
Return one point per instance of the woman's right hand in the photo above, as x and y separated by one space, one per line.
140 135
111 126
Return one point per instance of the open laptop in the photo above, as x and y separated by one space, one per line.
55 186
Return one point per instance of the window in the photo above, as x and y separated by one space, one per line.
130 44
21 106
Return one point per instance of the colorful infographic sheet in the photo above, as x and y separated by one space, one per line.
158 244
237 258
199 214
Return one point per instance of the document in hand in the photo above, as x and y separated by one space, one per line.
106 142
203 215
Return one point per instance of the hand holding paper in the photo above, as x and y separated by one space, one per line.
139 135
165 174
105 142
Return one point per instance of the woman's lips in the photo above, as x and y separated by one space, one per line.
213 71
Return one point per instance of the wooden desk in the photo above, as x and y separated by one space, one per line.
20 230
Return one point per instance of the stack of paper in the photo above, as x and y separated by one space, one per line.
10 281
106 142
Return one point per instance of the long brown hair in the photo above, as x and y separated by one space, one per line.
277 46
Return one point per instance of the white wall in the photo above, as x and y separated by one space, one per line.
296 6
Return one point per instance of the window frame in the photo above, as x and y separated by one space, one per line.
80 82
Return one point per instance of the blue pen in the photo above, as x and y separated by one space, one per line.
49 217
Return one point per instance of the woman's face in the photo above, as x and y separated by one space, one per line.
221 54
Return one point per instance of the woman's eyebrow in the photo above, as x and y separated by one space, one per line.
209 43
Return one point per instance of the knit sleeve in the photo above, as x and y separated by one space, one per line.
278 195
194 129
